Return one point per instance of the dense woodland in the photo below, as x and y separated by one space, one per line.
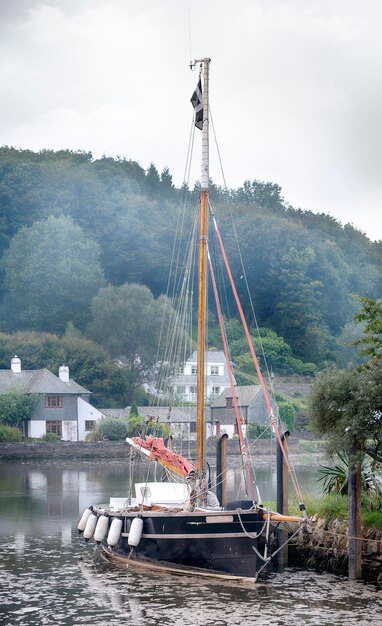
85 247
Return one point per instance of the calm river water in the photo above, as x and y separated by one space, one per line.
50 576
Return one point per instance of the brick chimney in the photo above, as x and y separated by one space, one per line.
16 365
63 373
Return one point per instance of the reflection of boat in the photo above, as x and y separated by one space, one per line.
180 526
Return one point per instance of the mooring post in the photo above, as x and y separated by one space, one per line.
221 468
282 495
354 526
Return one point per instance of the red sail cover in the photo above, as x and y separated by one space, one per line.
163 455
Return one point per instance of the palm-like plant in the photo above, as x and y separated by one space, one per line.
335 478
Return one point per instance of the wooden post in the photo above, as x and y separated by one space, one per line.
282 496
221 468
354 527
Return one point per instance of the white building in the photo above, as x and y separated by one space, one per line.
62 405
216 377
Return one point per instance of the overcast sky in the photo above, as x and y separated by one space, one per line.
296 89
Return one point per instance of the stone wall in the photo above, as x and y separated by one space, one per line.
46 450
117 449
323 546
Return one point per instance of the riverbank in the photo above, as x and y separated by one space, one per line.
323 546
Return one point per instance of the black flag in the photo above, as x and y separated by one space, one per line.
197 103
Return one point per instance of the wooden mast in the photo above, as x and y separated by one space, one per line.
202 289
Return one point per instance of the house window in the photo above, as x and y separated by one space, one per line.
194 369
193 389
89 424
214 370
180 389
192 427
228 403
181 369
54 426
215 391
54 402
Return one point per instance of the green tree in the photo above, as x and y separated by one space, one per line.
127 321
52 271
16 407
133 409
267 343
371 314
89 364
153 181
297 314
346 406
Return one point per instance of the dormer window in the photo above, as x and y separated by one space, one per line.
229 403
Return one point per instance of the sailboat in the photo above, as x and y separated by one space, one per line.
181 526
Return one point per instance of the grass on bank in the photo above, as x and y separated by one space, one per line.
335 506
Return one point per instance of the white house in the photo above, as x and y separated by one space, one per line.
63 406
216 373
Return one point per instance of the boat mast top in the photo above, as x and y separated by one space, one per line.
202 288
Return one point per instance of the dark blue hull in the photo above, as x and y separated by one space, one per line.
224 542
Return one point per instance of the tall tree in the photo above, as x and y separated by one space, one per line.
346 405
297 314
89 364
127 321
52 271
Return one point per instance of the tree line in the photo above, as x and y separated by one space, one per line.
85 246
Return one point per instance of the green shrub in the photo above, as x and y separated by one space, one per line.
10 433
113 429
137 426
157 429
371 519
287 413
259 431
95 435
134 425
51 437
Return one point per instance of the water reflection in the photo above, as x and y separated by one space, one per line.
37 497
295 597
50 576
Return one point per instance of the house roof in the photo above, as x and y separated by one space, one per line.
38 381
246 395
165 414
212 356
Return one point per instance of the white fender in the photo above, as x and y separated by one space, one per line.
114 532
90 526
135 533
101 528
82 523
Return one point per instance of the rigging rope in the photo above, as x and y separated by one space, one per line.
232 385
256 363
